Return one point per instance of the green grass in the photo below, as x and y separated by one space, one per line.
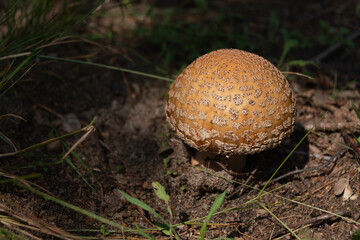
30 25
27 27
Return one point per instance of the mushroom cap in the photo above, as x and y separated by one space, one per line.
231 102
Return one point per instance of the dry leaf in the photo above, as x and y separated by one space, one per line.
340 186
348 192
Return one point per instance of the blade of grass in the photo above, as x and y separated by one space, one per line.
8 12
216 205
34 175
166 227
332 140
161 194
297 145
7 140
7 234
108 67
76 208
84 129
35 23
143 233
278 219
82 163
319 209
288 45
70 150
7 78
144 206
68 160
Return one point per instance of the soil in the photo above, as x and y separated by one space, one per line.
127 150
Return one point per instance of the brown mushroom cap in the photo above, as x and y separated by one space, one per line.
231 102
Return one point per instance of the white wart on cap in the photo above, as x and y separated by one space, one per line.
231 102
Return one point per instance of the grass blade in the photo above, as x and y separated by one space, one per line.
161 194
108 67
144 206
278 219
4 81
143 233
75 208
34 175
72 165
217 203
84 129
287 157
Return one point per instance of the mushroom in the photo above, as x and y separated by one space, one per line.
231 103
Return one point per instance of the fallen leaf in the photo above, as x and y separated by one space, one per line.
348 192
340 186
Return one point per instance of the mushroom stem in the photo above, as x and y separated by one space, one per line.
235 163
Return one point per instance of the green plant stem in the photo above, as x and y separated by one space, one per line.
332 140
297 145
75 208
34 175
5 80
217 203
108 67
278 219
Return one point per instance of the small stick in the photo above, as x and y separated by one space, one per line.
86 134
88 128
310 221
297 171
333 48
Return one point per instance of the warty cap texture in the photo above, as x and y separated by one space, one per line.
231 102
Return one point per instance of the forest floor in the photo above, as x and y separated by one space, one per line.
131 147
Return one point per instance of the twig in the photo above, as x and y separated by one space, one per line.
84 129
298 74
24 181
333 157
334 47
15 55
248 236
21 218
88 131
50 110
310 221
13 115
223 167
